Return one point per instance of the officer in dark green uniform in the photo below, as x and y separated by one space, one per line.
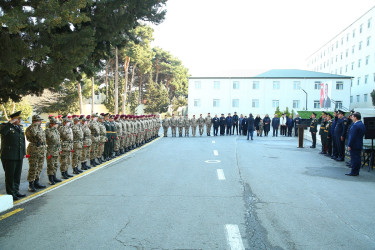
313 129
13 152
328 130
107 145
113 136
323 136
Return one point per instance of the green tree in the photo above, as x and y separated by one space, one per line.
373 97
278 112
179 102
11 107
157 100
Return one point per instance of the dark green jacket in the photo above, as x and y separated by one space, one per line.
12 142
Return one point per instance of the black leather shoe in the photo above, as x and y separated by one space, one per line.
55 178
20 195
322 153
31 187
312 146
38 185
83 166
15 198
50 180
64 176
75 171
350 174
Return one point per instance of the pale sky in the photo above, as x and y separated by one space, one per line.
213 37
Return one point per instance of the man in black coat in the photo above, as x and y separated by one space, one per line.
297 121
13 151
244 126
229 123
250 126
222 125
267 124
275 125
240 124
216 124
235 123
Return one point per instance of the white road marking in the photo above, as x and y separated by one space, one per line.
216 153
220 174
213 142
234 237
212 161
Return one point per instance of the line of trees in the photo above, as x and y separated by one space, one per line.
65 50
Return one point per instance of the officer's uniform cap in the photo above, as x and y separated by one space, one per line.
16 115
341 112
36 118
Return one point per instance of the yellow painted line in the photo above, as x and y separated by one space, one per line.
10 213
64 182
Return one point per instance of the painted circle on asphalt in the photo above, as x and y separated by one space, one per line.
212 161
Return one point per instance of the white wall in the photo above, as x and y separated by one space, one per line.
265 94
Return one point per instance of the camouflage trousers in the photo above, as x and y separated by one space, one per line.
85 154
117 144
173 128
123 142
101 150
65 161
193 130
77 152
180 130
94 150
165 129
208 128
35 167
201 130
187 130
52 165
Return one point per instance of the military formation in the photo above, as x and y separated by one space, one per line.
183 124
78 142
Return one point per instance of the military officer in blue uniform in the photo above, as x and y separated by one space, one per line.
13 151
216 124
340 135
222 125
333 127
355 143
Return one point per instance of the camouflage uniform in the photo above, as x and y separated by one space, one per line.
208 121
36 151
53 152
86 145
95 138
187 125
77 145
193 123
173 124
165 124
124 135
66 137
103 139
201 122
180 125
119 136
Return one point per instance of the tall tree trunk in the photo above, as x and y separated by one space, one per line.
13 107
106 79
116 82
80 98
4 112
126 68
157 70
132 80
92 95
140 88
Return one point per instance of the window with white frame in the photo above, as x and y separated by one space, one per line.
358 80
255 84
339 85
369 23
216 103
197 102
296 104
235 103
358 98
359 63
360 28
352 65
346 68
351 99
353 33
255 103
366 79
216 85
316 104
197 84
368 41
275 103
297 85
347 53
236 85
360 45
365 97
338 104
353 49
276 85
367 59
317 85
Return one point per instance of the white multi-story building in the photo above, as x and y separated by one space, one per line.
351 52
262 94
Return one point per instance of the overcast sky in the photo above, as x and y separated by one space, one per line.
214 37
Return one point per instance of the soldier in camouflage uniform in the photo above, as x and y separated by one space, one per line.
108 134
208 121
53 150
180 125
201 122
95 138
119 135
193 123
187 125
103 139
173 124
66 137
124 135
166 125
36 151
85 156
113 136
77 145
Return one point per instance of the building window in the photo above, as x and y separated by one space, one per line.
352 65
347 37
276 85
368 41
275 103
351 99
338 105
255 103
347 53
236 85
369 23
197 102
296 85
342 40
360 28
296 104
353 33
255 84
367 59
358 98
346 68
216 85
358 80
366 79
216 103
341 56
235 103
316 104
359 63
197 84
360 45
353 48
317 85
365 97
339 85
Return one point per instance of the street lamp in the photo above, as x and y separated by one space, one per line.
306 98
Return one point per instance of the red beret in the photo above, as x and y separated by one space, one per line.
88 116
74 116
59 116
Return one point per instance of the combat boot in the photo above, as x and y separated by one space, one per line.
67 174
99 159
75 171
92 163
38 185
31 187
79 170
51 181
55 179
64 176
83 167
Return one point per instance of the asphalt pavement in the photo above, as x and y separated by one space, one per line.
203 193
